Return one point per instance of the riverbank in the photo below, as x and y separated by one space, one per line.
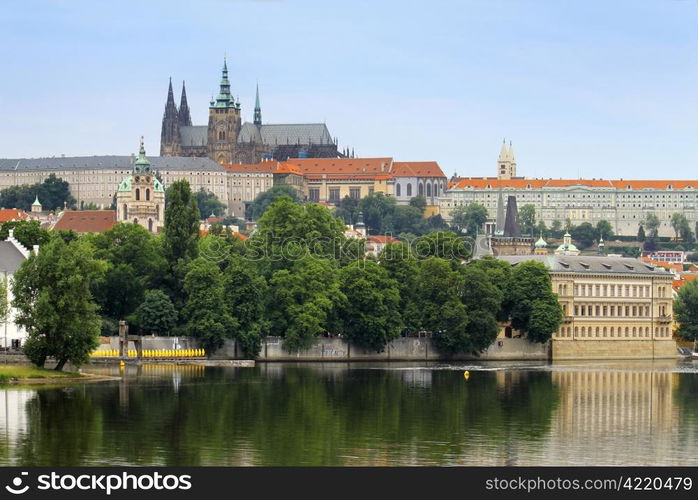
31 375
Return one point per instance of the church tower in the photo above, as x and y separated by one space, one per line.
169 135
223 123
140 197
184 117
506 163
257 110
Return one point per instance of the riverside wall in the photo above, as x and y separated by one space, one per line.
614 349
336 349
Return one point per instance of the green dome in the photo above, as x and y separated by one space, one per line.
541 243
567 248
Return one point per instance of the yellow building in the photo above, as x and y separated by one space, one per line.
613 307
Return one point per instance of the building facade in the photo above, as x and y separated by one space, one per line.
226 139
625 204
612 307
422 178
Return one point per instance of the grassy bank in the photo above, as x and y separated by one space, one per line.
23 372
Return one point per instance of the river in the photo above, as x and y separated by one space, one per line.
583 413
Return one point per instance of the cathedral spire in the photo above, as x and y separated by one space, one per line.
169 134
224 99
184 114
257 109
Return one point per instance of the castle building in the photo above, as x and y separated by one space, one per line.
140 197
227 140
625 204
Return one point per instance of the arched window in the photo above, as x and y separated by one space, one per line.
147 195
397 189
150 225
428 189
409 189
221 135
157 212
138 194
125 217
420 189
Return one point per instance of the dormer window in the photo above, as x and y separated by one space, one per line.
584 265
629 266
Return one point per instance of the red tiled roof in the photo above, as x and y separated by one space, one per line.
288 168
381 238
265 166
87 221
10 214
417 169
342 166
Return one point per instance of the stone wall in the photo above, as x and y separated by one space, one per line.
614 349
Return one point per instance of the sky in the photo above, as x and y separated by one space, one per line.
590 89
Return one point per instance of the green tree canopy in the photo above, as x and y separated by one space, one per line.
348 210
267 198
156 313
441 244
651 224
584 234
419 202
531 303
370 315
53 193
604 230
399 261
27 232
527 218
641 233
54 302
302 301
205 312
378 210
246 298
208 204
468 218
686 311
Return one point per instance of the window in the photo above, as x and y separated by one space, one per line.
314 194
221 135
157 212
397 190
138 194
125 217
409 189
150 225
334 195
355 193
420 190
147 195
428 189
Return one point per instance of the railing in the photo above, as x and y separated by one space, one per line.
151 353
664 318
567 319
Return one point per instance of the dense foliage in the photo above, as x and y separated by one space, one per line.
53 193
686 311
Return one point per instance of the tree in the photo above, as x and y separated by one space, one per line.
156 313
205 310
527 218
378 210
246 295
28 233
483 301
678 221
438 299
4 301
499 274
556 229
264 200
54 193
442 244
419 202
208 204
302 301
468 218
604 230
181 235
54 302
370 315
686 311
401 265
348 210
584 234
542 229
407 219
651 224
641 234
531 303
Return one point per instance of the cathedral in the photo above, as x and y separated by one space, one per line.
227 140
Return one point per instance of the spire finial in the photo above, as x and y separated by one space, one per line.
257 109
142 149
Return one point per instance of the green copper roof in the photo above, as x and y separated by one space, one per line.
36 201
541 243
127 183
142 165
224 99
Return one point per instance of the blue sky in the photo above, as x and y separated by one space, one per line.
590 89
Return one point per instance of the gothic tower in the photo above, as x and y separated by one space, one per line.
257 110
184 115
169 135
223 123
506 163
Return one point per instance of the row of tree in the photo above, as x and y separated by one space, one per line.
53 193
298 277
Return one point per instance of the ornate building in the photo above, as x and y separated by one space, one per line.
140 197
227 140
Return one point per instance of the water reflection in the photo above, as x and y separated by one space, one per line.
342 414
